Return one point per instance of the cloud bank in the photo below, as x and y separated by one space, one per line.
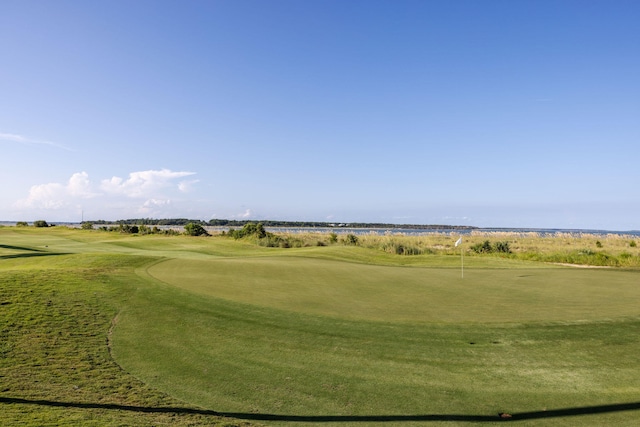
146 193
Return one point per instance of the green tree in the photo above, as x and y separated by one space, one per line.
87 225
40 223
22 224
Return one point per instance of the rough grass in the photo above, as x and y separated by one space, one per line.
56 369
611 250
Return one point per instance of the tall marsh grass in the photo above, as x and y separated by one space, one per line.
611 250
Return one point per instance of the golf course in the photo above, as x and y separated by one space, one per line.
101 328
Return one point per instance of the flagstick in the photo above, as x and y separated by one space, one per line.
459 242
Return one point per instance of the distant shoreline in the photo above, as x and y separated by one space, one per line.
357 228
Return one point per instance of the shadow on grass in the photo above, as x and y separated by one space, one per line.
20 248
29 255
555 413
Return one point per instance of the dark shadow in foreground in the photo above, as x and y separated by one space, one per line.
20 248
30 254
566 412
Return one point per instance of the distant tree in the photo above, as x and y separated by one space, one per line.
193 229
87 225
22 224
40 223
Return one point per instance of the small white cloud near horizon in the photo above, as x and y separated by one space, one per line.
244 215
143 183
21 139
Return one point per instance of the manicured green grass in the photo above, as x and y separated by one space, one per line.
409 294
329 335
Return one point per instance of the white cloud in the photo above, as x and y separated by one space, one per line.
145 192
55 195
13 138
143 184
80 186
21 139
152 203
187 186
246 214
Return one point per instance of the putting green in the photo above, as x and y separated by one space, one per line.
409 294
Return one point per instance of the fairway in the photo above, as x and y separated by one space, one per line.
332 336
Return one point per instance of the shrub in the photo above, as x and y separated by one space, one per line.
87 225
249 229
284 244
598 244
40 223
143 229
401 249
632 243
482 248
351 239
125 228
25 224
502 247
333 238
193 229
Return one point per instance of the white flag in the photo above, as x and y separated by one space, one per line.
458 241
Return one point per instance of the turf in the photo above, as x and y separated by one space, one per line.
415 295
56 313
209 327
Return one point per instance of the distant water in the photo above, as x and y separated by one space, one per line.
409 231
457 232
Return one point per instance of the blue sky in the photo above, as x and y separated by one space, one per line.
485 113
